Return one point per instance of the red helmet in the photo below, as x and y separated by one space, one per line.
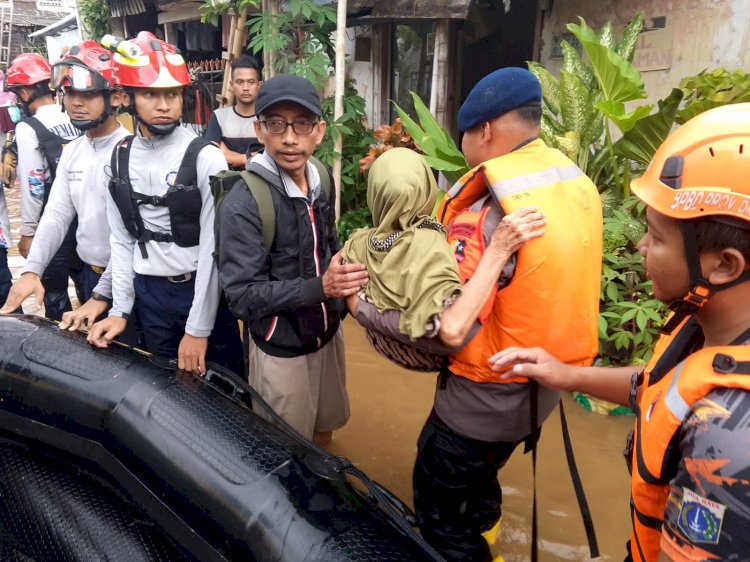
28 69
87 67
157 64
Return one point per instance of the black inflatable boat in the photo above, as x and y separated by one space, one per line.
105 456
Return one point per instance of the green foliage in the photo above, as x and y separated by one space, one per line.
356 138
712 88
439 149
578 110
629 316
300 36
95 17
212 10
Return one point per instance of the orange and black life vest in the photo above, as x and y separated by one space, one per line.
673 381
553 299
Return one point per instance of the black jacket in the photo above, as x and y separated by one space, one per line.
281 295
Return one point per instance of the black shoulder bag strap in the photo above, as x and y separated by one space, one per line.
187 174
50 145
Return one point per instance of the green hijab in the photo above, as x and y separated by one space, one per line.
411 265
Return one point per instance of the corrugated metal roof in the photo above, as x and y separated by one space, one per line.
25 14
119 8
406 9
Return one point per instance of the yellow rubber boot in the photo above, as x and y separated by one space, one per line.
492 537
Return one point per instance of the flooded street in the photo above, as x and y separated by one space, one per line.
389 406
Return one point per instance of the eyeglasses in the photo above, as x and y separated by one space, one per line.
278 127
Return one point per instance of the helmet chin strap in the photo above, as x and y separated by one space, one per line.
160 130
39 90
87 124
701 290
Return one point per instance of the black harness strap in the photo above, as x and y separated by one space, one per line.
129 202
588 520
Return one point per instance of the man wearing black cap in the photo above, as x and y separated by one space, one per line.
290 296
548 297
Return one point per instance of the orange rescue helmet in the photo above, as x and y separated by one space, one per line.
157 64
703 168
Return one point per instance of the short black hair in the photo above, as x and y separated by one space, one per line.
724 232
530 113
246 61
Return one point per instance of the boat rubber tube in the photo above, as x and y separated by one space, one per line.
218 481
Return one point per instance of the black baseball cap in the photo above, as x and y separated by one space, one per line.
287 87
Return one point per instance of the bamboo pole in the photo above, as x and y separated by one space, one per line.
338 107
236 47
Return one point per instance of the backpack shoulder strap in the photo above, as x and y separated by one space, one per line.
326 180
120 161
187 174
261 192
42 133
50 144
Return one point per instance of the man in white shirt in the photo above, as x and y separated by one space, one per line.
40 137
161 217
86 77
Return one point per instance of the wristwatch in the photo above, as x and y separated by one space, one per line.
99 297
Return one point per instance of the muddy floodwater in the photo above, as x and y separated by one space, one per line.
389 406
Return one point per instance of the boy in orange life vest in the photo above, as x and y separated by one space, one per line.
691 458
550 290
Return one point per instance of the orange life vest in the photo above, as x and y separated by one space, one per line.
670 387
553 298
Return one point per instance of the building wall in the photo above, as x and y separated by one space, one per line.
59 44
361 71
697 34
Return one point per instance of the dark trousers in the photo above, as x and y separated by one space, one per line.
6 278
64 263
456 493
89 281
163 308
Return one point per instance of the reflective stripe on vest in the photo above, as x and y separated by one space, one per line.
663 407
553 299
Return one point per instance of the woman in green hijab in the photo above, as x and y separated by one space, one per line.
412 268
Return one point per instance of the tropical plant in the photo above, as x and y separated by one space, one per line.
301 37
439 149
357 137
387 137
579 111
95 17
712 88
212 10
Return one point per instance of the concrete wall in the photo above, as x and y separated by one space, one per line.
57 44
361 71
697 34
